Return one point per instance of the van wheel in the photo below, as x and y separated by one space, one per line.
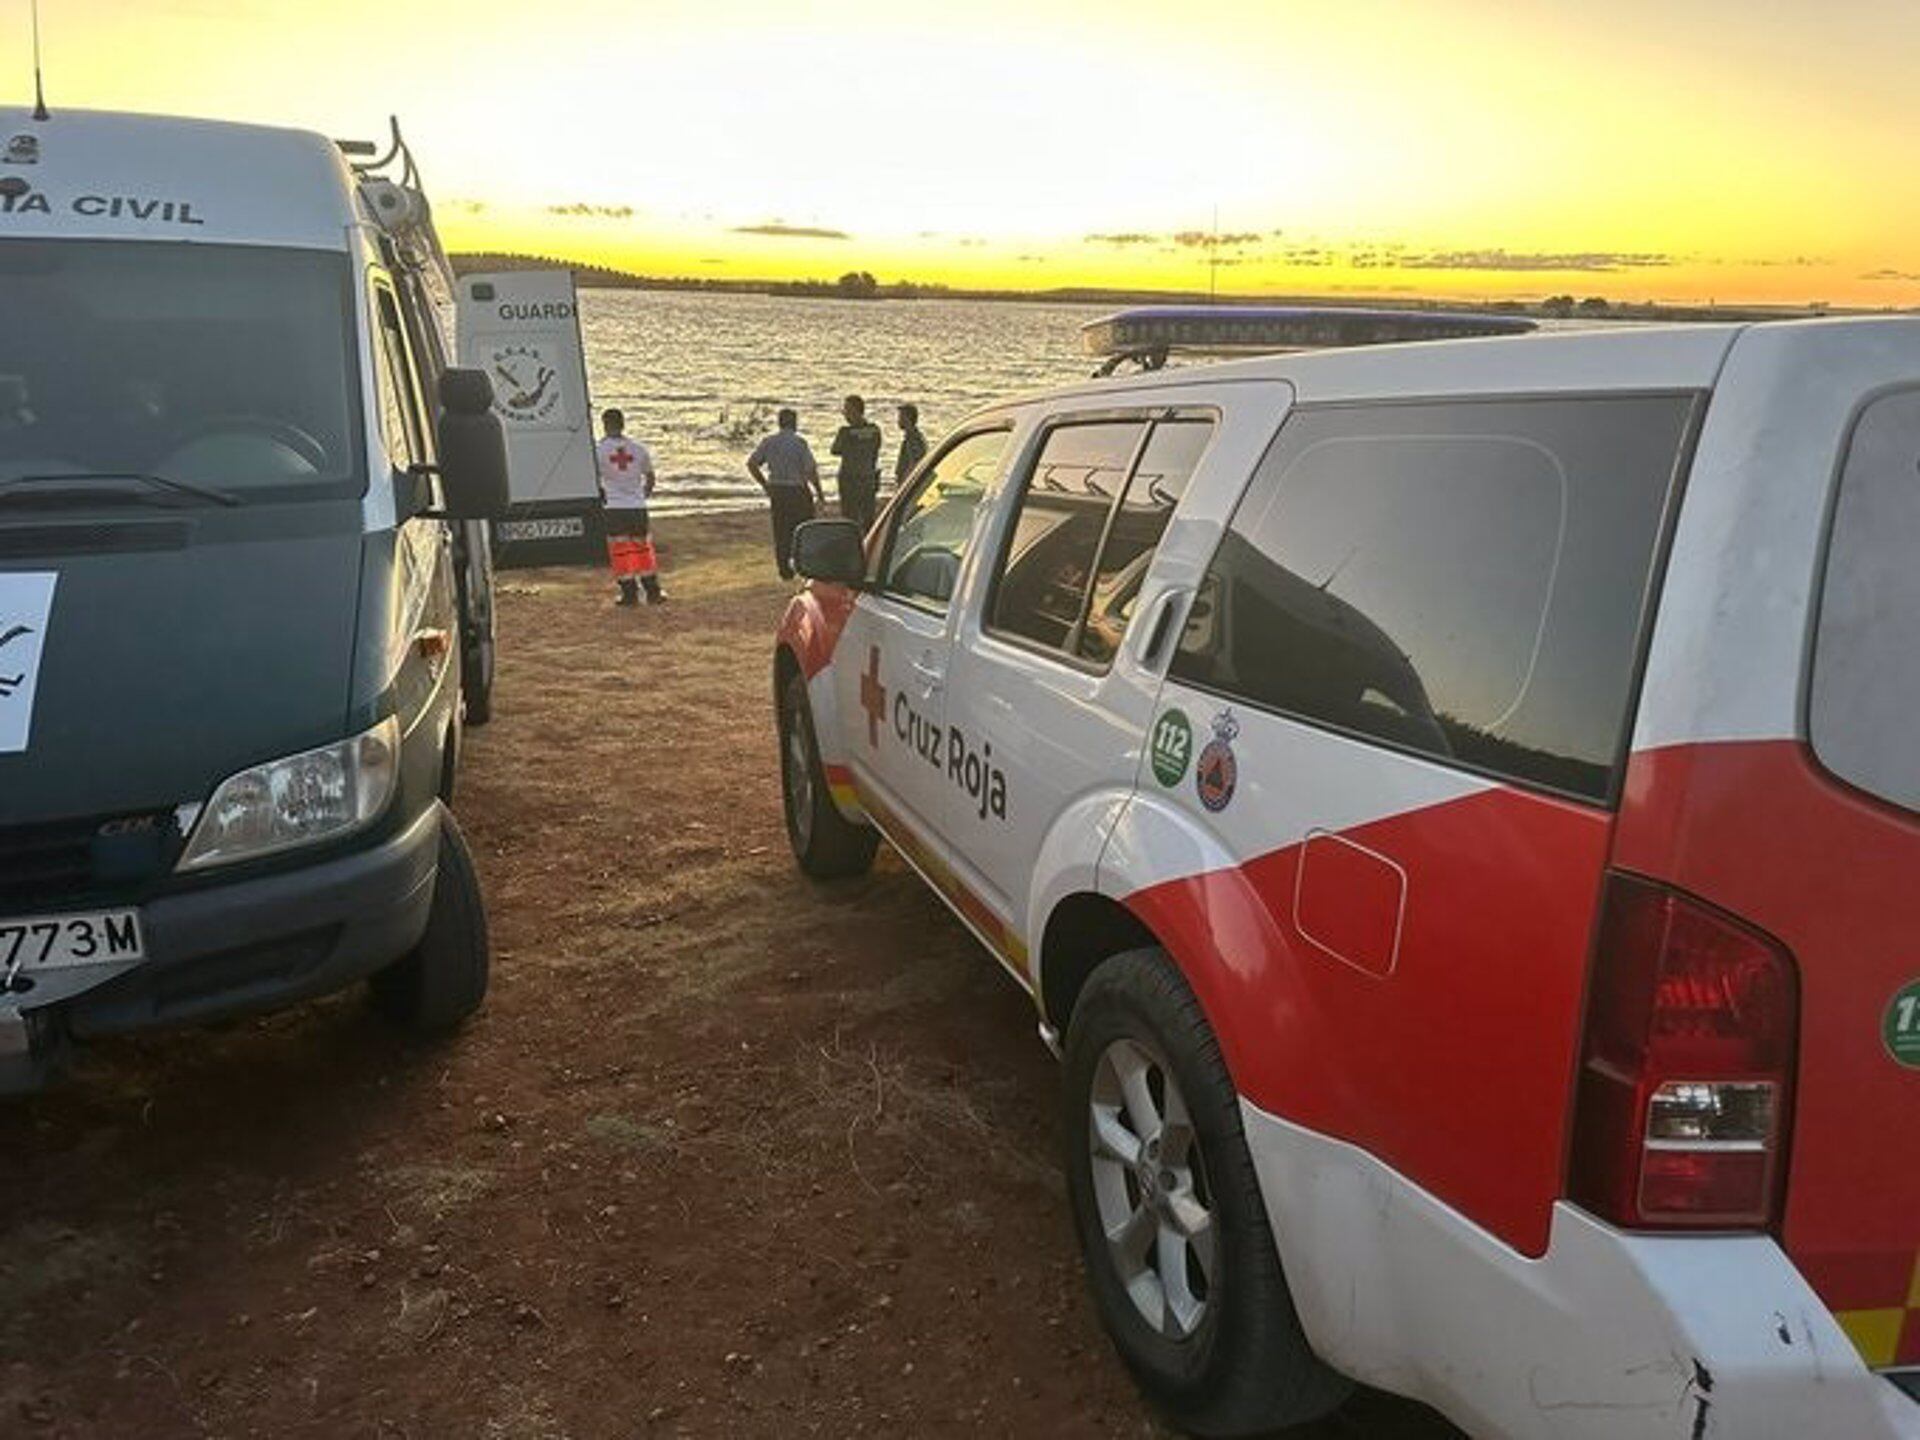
1172 1228
443 979
827 844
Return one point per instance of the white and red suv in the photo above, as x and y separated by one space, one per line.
1457 802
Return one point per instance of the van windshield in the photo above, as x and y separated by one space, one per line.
215 365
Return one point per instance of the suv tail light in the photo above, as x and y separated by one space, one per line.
1686 1071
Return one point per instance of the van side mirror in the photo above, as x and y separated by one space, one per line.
830 550
473 448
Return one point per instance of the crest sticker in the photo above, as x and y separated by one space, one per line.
26 605
1218 772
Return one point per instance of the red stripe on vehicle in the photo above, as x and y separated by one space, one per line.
1759 829
1445 1043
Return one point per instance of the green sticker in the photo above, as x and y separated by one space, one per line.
1901 1029
1172 748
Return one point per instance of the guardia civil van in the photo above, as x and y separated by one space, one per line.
234 611
1457 807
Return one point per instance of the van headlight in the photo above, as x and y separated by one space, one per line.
317 795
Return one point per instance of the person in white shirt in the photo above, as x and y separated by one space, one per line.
626 484
783 466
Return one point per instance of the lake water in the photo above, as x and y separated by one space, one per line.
700 376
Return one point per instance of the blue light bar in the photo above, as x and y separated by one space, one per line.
1264 329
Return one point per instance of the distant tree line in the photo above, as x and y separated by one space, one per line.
863 285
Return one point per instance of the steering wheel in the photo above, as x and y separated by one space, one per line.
284 432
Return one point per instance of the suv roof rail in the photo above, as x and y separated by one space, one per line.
1147 335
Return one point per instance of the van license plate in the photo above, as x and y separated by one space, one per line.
519 532
56 942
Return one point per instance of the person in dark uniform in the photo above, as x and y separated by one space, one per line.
913 445
858 446
783 466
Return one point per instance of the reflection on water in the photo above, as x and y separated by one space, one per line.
700 376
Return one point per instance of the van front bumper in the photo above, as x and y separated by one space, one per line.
239 948
1606 1336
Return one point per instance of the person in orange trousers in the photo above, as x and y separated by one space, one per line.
626 484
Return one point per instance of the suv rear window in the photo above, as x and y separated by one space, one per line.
1463 580
1864 710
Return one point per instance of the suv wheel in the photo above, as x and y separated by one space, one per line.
827 844
443 979
1171 1224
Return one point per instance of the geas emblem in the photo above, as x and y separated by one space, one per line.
1217 772
525 386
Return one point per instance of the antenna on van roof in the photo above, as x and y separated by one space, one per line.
39 91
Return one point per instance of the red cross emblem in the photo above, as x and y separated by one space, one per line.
621 459
873 696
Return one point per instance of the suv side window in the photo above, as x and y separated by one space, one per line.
1463 580
1865 693
1041 590
1158 482
1091 515
933 522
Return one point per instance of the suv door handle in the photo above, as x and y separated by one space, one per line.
931 677
1154 635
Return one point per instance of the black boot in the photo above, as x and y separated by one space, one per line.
629 593
655 595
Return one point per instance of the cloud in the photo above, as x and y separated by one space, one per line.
782 231
1122 237
580 209
1587 261
1903 275
1202 239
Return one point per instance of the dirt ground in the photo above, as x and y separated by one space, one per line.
726 1154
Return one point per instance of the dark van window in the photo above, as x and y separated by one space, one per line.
1464 580
1090 518
226 365
1866 665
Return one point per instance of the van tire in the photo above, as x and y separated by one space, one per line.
827 845
1245 1367
443 979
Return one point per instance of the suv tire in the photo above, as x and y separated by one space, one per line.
1216 1343
443 979
827 844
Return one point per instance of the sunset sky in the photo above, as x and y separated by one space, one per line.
1673 149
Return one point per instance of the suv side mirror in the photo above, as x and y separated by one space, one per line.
473 448
830 550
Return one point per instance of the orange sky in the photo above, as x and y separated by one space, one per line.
1701 150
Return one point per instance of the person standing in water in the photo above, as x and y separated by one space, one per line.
626 484
783 466
858 446
913 445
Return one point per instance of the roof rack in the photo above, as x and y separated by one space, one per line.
1147 335
391 189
